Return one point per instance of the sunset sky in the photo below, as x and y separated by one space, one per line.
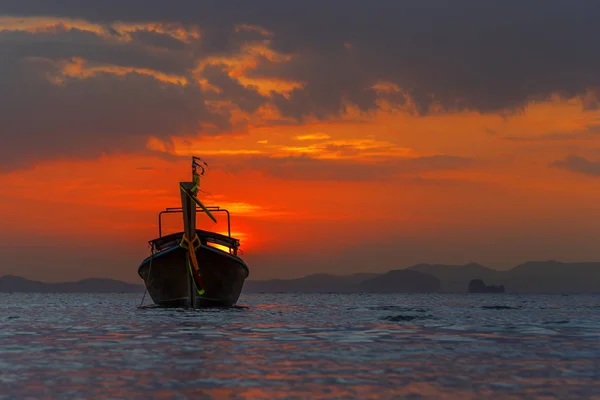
344 136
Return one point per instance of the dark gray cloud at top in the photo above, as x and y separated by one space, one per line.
484 55
45 113
481 54
89 116
88 45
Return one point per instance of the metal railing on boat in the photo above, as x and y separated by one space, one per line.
212 209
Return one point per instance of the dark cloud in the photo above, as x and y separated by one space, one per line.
432 163
231 90
89 116
488 57
466 53
69 43
579 165
47 113
156 39
589 132
308 168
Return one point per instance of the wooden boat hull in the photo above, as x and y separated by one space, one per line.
170 284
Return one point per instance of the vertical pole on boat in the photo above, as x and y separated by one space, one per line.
189 228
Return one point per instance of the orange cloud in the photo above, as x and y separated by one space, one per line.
117 31
181 32
47 24
265 86
80 69
314 136
386 87
253 28
248 59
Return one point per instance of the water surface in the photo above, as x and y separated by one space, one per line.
302 346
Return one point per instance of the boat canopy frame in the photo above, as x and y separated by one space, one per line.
174 210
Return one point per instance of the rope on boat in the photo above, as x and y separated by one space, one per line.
192 196
193 266
149 271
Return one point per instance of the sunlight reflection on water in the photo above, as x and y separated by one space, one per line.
302 346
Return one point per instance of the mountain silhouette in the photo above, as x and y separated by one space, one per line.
312 283
456 278
394 281
530 277
553 276
402 280
11 283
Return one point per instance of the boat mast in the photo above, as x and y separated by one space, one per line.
190 239
189 228
188 199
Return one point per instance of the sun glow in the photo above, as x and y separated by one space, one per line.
293 182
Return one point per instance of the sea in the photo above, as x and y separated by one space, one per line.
302 346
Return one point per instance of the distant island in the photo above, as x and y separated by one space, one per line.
479 286
530 277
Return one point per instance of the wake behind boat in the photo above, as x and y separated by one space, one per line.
194 268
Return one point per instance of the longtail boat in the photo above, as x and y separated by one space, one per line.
194 268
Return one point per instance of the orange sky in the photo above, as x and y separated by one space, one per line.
364 191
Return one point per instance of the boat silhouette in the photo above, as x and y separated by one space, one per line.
194 268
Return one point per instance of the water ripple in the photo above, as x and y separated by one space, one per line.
326 346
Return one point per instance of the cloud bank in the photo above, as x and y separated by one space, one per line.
82 79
